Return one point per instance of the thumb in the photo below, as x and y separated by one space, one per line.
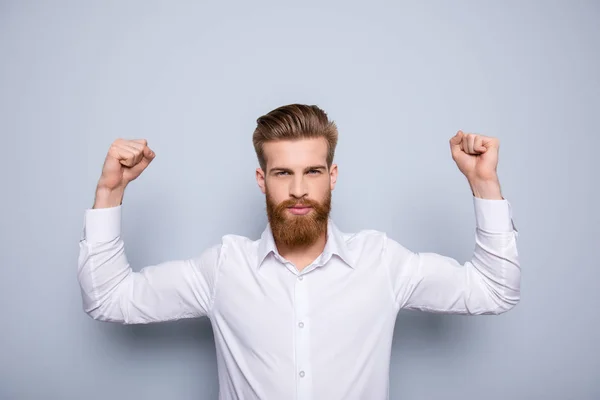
455 147
456 139
148 153
145 161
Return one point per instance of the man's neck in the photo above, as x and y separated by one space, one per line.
303 256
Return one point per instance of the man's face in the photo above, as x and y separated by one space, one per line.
297 186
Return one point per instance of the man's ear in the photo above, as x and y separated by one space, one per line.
260 179
333 174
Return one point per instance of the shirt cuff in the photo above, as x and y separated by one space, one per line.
493 215
102 224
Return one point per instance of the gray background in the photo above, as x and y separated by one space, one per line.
398 78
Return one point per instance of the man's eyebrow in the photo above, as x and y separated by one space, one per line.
305 169
315 167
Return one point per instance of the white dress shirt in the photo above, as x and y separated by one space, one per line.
324 333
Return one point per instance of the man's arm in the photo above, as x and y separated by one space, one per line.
490 282
112 291
487 284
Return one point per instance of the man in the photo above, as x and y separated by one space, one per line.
306 311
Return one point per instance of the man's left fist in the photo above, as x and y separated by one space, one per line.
475 155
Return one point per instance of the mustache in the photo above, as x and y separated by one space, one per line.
298 203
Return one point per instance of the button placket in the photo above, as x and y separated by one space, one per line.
302 339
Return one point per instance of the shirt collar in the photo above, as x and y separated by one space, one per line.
335 244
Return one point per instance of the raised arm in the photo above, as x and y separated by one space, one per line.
490 282
110 289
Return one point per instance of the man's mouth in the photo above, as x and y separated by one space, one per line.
300 210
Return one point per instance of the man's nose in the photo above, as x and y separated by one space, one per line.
298 187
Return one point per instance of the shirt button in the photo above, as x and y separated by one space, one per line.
301 374
300 277
301 324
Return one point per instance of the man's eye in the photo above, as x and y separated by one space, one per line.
315 170
280 173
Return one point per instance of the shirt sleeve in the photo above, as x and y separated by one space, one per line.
487 284
112 291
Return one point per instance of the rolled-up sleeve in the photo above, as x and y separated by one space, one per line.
487 284
112 291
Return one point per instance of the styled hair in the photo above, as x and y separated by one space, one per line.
294 122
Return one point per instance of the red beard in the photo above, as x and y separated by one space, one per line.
298 230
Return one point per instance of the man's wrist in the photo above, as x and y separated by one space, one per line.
486 189
108 197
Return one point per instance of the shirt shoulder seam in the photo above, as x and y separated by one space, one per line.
387 269
220 259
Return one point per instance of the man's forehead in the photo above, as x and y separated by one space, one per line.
296 153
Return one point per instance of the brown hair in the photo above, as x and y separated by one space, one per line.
294 122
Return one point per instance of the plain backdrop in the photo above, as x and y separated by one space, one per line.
399 79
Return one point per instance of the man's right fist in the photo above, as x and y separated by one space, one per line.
125 161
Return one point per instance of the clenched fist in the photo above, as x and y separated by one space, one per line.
125 161
475 155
